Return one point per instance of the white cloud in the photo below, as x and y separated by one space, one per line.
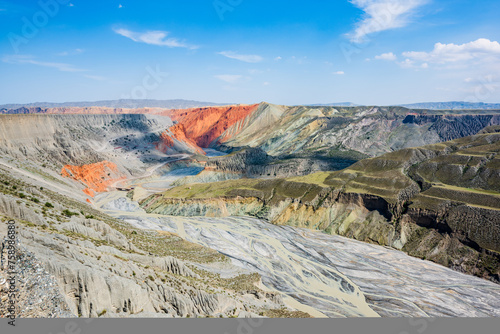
120 6
266 83
407 63
244 58
229 78
383 15
387 56
25 59
154 37
278 58
481 88
339 73
482 49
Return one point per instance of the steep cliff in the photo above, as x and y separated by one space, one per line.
175 137
207 125
255 162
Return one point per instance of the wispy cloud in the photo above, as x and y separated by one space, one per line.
70 52
229 78
63 67
244 58
26 59
387 56
298 60
482 49
154 37
339 73
381 15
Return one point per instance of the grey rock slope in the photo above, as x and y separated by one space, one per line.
93 265
355 132
73 139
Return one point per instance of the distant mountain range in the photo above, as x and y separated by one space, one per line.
184 104
452 106
129 104
339 104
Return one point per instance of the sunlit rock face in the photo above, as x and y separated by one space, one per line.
206 125
176 137
97 177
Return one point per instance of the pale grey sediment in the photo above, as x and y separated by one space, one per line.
334 275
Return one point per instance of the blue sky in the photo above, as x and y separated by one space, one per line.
375 52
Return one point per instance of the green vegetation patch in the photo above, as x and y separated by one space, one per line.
209 190
315 178
285 313
167 244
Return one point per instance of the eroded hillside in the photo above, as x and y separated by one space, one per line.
440 202
89 264
307 131
86 152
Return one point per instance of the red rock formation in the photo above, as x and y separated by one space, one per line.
176 132
97 177
204 125
89 192
166 142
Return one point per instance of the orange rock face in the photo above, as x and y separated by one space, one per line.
97 177
176 132
204 125
89 192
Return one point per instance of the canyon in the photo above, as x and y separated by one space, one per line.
257 210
